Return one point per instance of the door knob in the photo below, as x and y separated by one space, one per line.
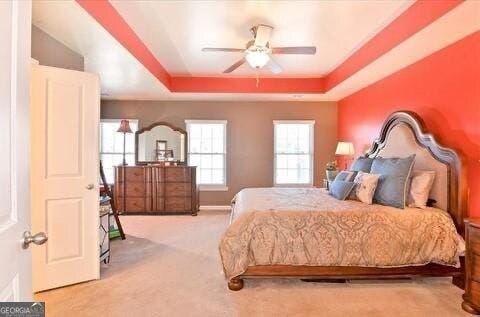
89 186
38 239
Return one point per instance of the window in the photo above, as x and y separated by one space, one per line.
207 151
111 146
293 152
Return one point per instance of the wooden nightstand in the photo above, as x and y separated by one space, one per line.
471 298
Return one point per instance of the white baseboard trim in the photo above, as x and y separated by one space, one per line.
214 207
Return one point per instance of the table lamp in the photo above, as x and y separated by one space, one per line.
124 128
345 149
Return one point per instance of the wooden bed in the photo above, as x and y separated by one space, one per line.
453 200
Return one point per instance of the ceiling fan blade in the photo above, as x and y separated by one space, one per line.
262 34
234 66
220 49
274 66
308 50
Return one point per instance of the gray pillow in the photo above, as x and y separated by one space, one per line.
340 189
362 164
393 184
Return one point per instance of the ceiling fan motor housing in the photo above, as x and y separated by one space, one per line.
258 52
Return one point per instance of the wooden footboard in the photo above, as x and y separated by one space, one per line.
347 273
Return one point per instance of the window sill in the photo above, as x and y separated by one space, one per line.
213 188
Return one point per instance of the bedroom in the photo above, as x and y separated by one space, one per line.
251 101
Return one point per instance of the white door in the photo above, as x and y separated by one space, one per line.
65 110
15 38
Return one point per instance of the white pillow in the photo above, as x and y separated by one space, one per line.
422 182
365 186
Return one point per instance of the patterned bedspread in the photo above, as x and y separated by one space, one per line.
306 226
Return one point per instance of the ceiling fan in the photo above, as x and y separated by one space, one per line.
258 52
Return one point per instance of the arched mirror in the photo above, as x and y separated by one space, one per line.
160 142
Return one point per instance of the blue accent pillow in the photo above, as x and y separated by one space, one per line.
393 184
362 164
345 176
340 189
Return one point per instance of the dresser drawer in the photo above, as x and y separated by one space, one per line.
178 189
135 189
159 189
134 204
474 239
178 204
178 174
474 267
158 204
134 174
474 296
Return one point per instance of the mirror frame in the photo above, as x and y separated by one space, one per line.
150 127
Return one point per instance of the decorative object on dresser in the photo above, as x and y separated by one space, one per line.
160 142
160 150
345 149
331 170
471 298
156 189
124 128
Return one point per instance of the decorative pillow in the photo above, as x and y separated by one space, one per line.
345 176
392 188
364 188
422 182
340 189
362 164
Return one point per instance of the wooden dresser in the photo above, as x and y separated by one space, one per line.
156 190
471 298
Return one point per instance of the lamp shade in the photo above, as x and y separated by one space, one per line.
124 127
345 148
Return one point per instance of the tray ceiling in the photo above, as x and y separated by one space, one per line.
173 33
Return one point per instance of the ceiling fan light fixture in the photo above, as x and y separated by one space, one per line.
257 59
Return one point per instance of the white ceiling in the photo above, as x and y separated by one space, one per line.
175 31
120 73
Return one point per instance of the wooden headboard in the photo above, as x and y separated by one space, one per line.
403 134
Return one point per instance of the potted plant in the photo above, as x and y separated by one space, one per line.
331 170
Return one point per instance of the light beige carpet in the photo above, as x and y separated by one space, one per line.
169 266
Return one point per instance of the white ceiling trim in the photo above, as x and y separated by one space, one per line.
399 11
453 26
175 32
126 78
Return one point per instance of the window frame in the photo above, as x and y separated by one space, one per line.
311 124
100 153
211 187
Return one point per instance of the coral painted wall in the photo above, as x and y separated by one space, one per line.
443 88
